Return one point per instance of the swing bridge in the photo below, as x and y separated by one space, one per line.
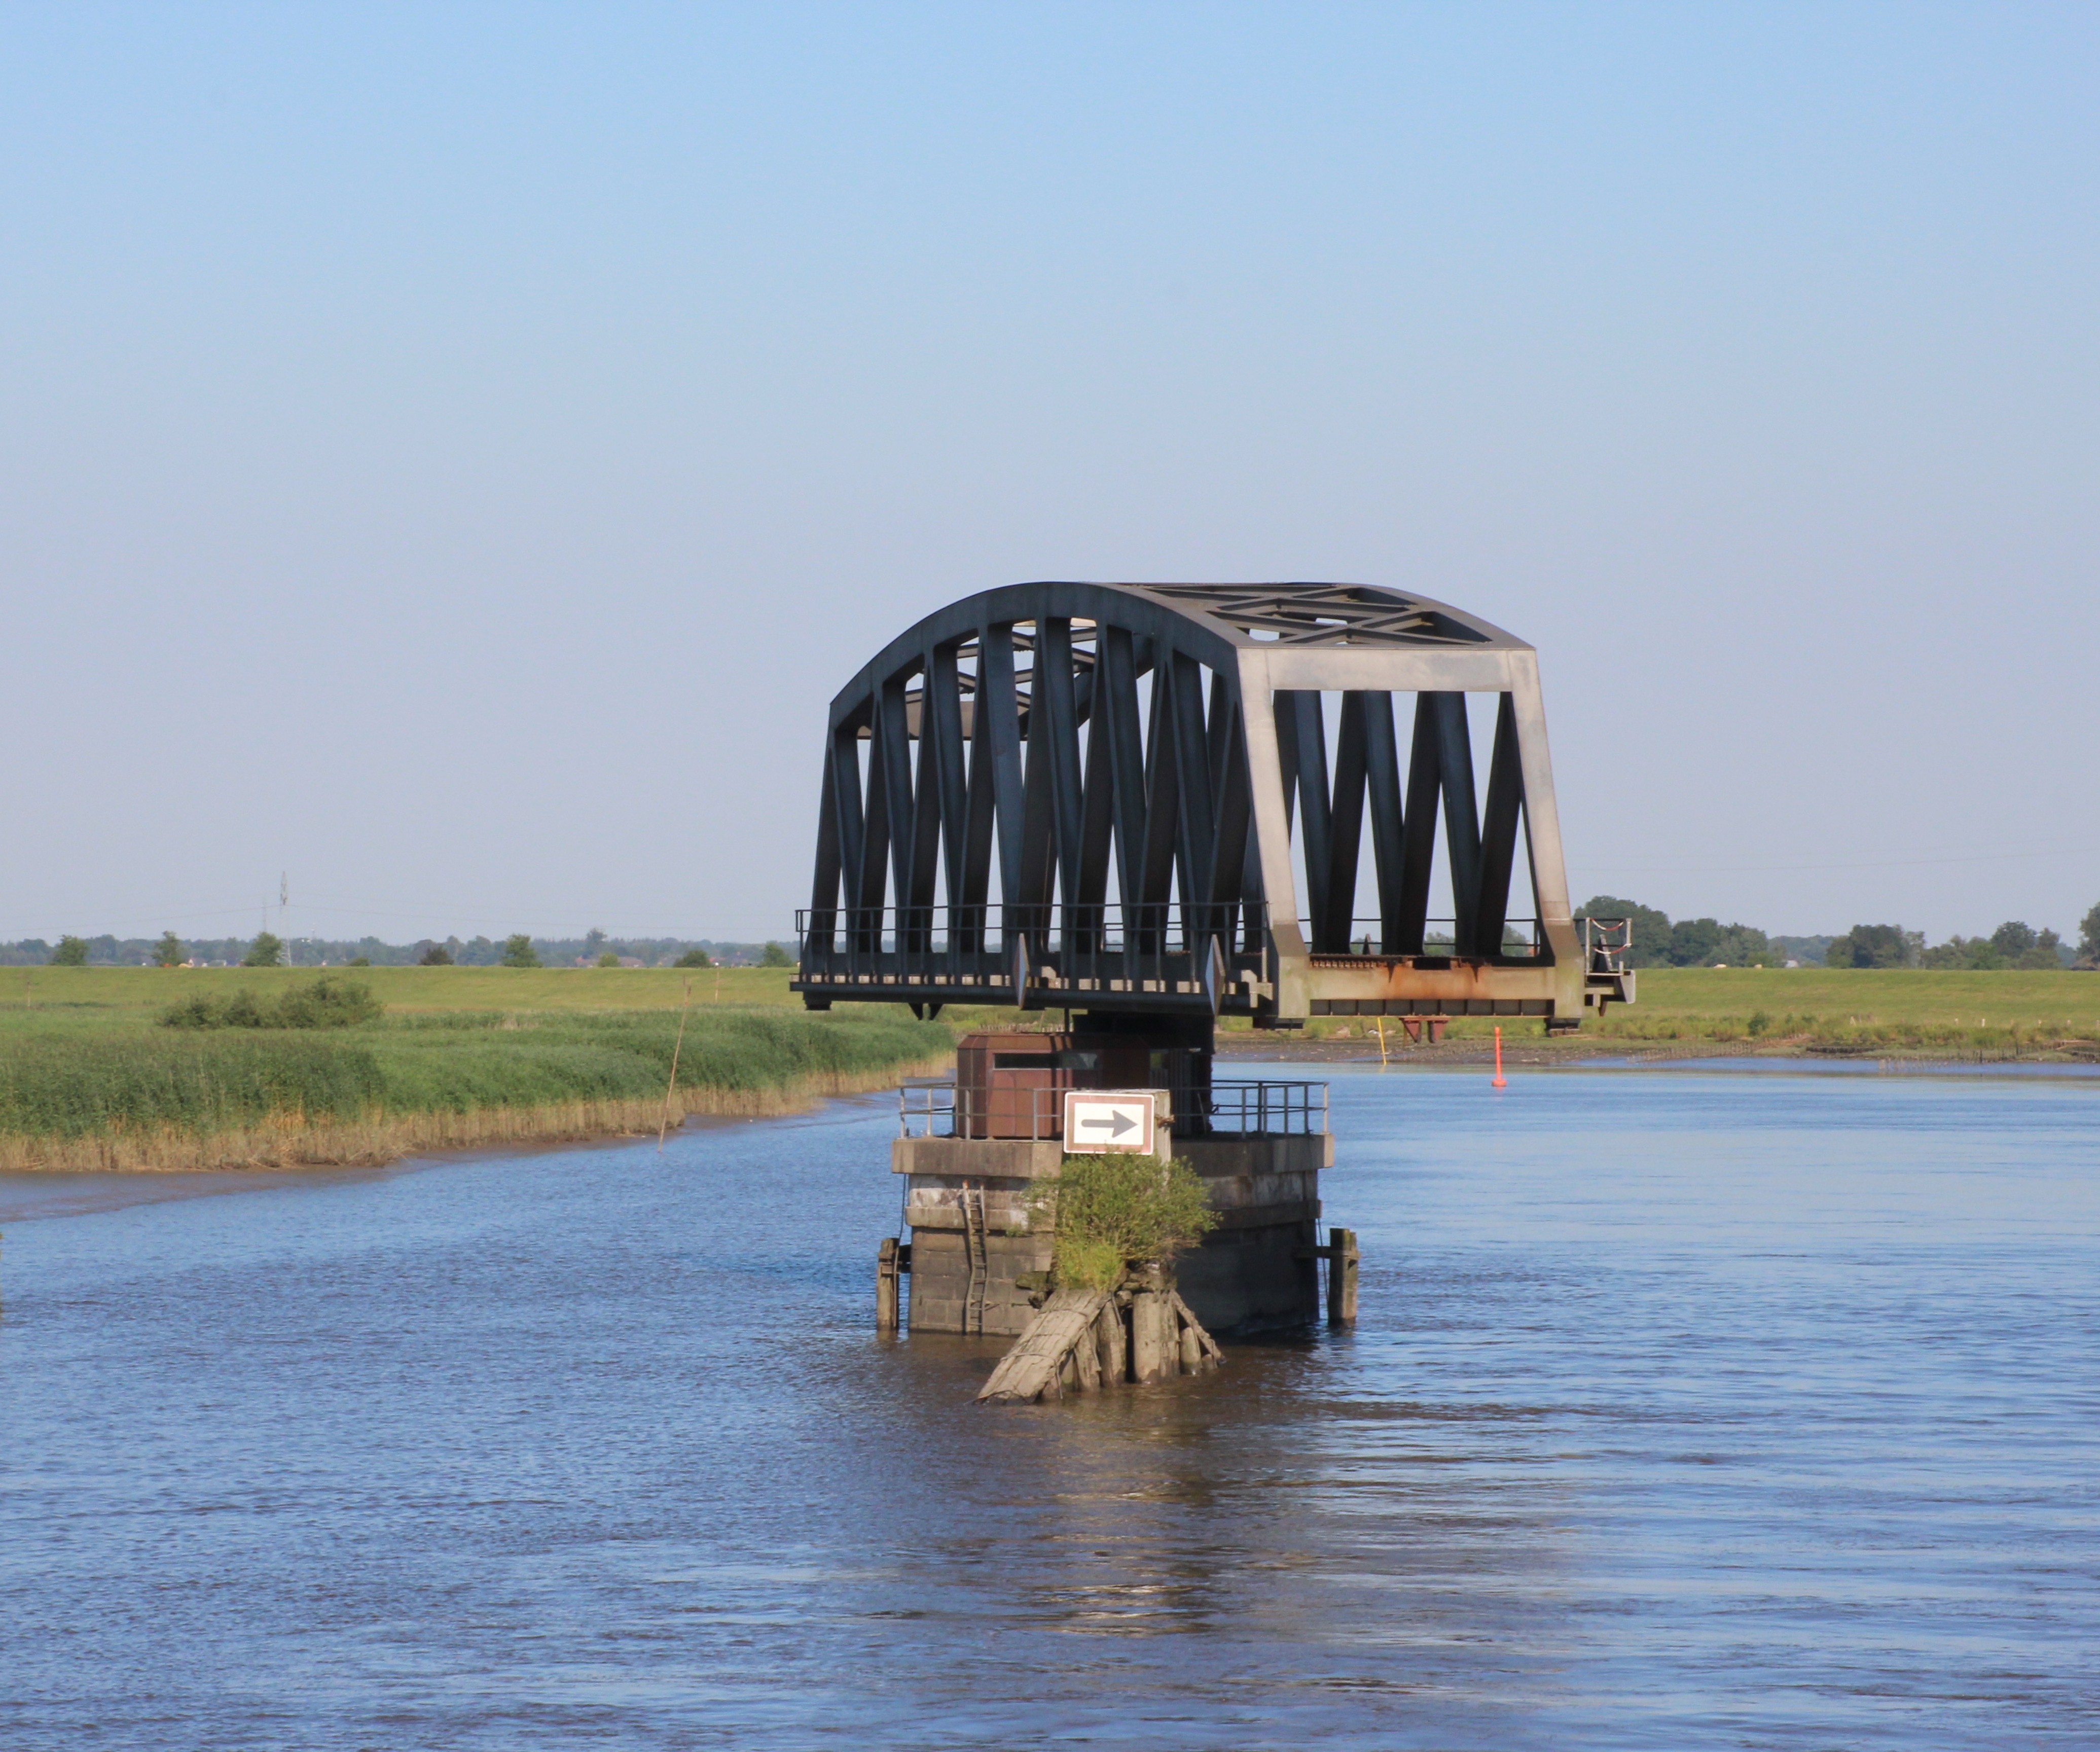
1151 800
1146 805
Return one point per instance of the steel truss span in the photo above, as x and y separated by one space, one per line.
1133 797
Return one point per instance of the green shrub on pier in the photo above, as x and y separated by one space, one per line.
1119 1210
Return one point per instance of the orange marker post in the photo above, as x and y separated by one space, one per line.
1500 1081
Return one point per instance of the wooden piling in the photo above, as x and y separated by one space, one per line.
886 1277
1087 1362
1112 1344
1155 1351
1040 1356
1206 1352
1341 1261
1079 1343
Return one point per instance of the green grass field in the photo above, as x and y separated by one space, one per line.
462 1054
458 1055
43 999
2004 1015
1896 995
40 998
1825 1010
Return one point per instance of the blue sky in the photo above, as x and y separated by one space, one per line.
451 454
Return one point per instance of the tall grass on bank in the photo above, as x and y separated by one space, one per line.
152 1098
190 1082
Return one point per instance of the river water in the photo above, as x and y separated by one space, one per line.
1685 1410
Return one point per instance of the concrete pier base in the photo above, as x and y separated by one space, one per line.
966 1201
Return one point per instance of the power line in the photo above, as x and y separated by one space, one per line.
1875 863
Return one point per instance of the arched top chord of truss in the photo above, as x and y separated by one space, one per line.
985 820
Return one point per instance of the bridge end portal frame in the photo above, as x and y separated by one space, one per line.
1161 801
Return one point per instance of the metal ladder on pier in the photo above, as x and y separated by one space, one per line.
977 1254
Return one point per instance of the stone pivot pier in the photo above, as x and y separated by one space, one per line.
1136 809
971 1151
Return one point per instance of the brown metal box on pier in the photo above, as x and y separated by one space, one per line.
1012 1085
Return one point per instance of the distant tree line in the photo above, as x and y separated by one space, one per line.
2014 944
595 949
1687 942
1657 941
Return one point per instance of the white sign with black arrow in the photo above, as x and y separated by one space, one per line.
1099 1120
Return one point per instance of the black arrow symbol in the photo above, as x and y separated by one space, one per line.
1119 1123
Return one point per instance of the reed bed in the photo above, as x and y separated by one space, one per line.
167 1099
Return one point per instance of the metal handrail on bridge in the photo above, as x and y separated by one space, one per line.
1163 955
1375 938
938 1107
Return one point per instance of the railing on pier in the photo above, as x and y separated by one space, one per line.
1237 1109
938 1107
1605 943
